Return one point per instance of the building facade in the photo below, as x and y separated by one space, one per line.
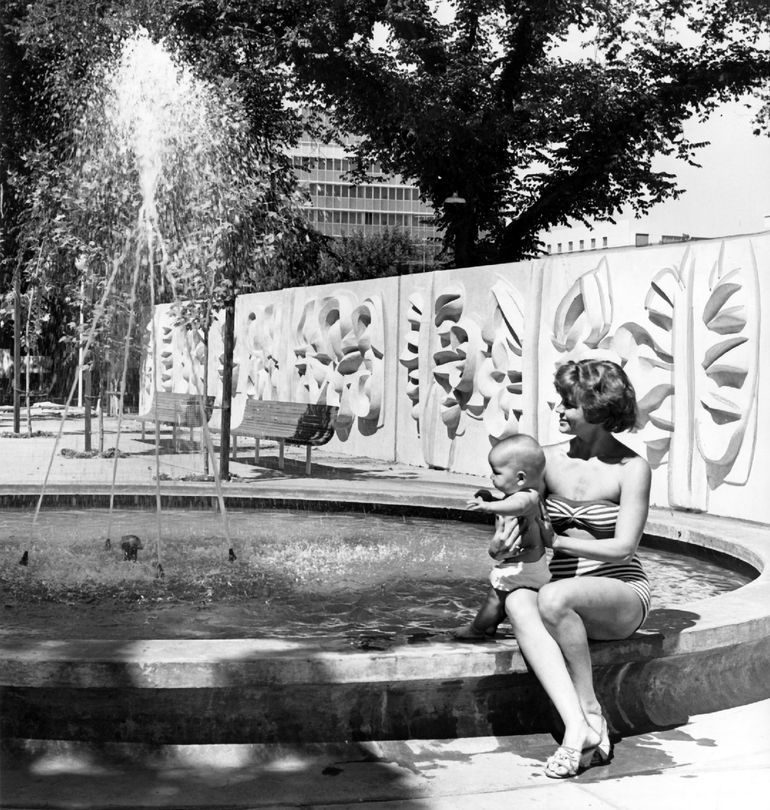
339 207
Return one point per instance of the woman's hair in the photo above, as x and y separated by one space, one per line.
602 389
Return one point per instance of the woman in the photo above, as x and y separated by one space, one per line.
597 494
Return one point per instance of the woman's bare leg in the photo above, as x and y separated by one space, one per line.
548 663
593 607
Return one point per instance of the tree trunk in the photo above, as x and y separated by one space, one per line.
17 351
100 410
27 392
227 391
464 234
87 405
204 440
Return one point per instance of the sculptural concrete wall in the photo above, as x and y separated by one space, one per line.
431 369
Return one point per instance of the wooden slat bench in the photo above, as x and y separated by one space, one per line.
292 422
180 410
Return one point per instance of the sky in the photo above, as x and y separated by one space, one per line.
730 194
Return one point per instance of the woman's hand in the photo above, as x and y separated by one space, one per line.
544 524
508 537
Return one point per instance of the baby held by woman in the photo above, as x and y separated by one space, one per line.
517 464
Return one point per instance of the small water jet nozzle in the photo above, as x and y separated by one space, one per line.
130 544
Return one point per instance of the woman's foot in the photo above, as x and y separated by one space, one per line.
566 762
576 752
603 752
581 736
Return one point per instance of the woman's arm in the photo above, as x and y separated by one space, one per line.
632 516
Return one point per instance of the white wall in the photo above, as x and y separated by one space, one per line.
428 369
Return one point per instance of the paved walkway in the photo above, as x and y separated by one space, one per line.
715 761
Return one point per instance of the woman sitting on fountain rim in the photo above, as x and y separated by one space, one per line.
597 495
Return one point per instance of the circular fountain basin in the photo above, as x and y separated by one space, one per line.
706 655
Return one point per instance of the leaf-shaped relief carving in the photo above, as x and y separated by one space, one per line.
410 356
722 410
449 305
457 360
366 389
260 353
649 365
722 290
584 315
660 298
188 371
340 349
500 375
726 426
727 364
164 363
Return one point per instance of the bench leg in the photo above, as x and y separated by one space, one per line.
307 460
143 424
280 454
256 452
234 445
173 436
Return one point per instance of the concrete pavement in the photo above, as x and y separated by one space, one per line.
714 761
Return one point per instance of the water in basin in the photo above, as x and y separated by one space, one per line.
368 578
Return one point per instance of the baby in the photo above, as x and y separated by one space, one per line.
518 464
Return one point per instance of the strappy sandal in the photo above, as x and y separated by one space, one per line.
566 762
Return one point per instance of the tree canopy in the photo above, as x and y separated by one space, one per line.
536 112
494 100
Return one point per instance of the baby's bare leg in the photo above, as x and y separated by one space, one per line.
490 614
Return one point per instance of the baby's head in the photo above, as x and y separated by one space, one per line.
517 462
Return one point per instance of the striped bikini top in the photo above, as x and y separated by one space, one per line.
596 517
599 519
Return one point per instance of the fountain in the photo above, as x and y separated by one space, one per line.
191 691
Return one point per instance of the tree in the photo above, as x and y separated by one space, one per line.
129 200
491 104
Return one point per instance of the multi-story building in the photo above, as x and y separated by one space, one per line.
339 207
623 233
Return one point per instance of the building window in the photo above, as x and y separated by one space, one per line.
593 244
558 247
570 247
581 244
642 239
604 241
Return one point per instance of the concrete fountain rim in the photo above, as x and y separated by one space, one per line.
737 617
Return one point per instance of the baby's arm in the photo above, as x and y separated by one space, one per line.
514 505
